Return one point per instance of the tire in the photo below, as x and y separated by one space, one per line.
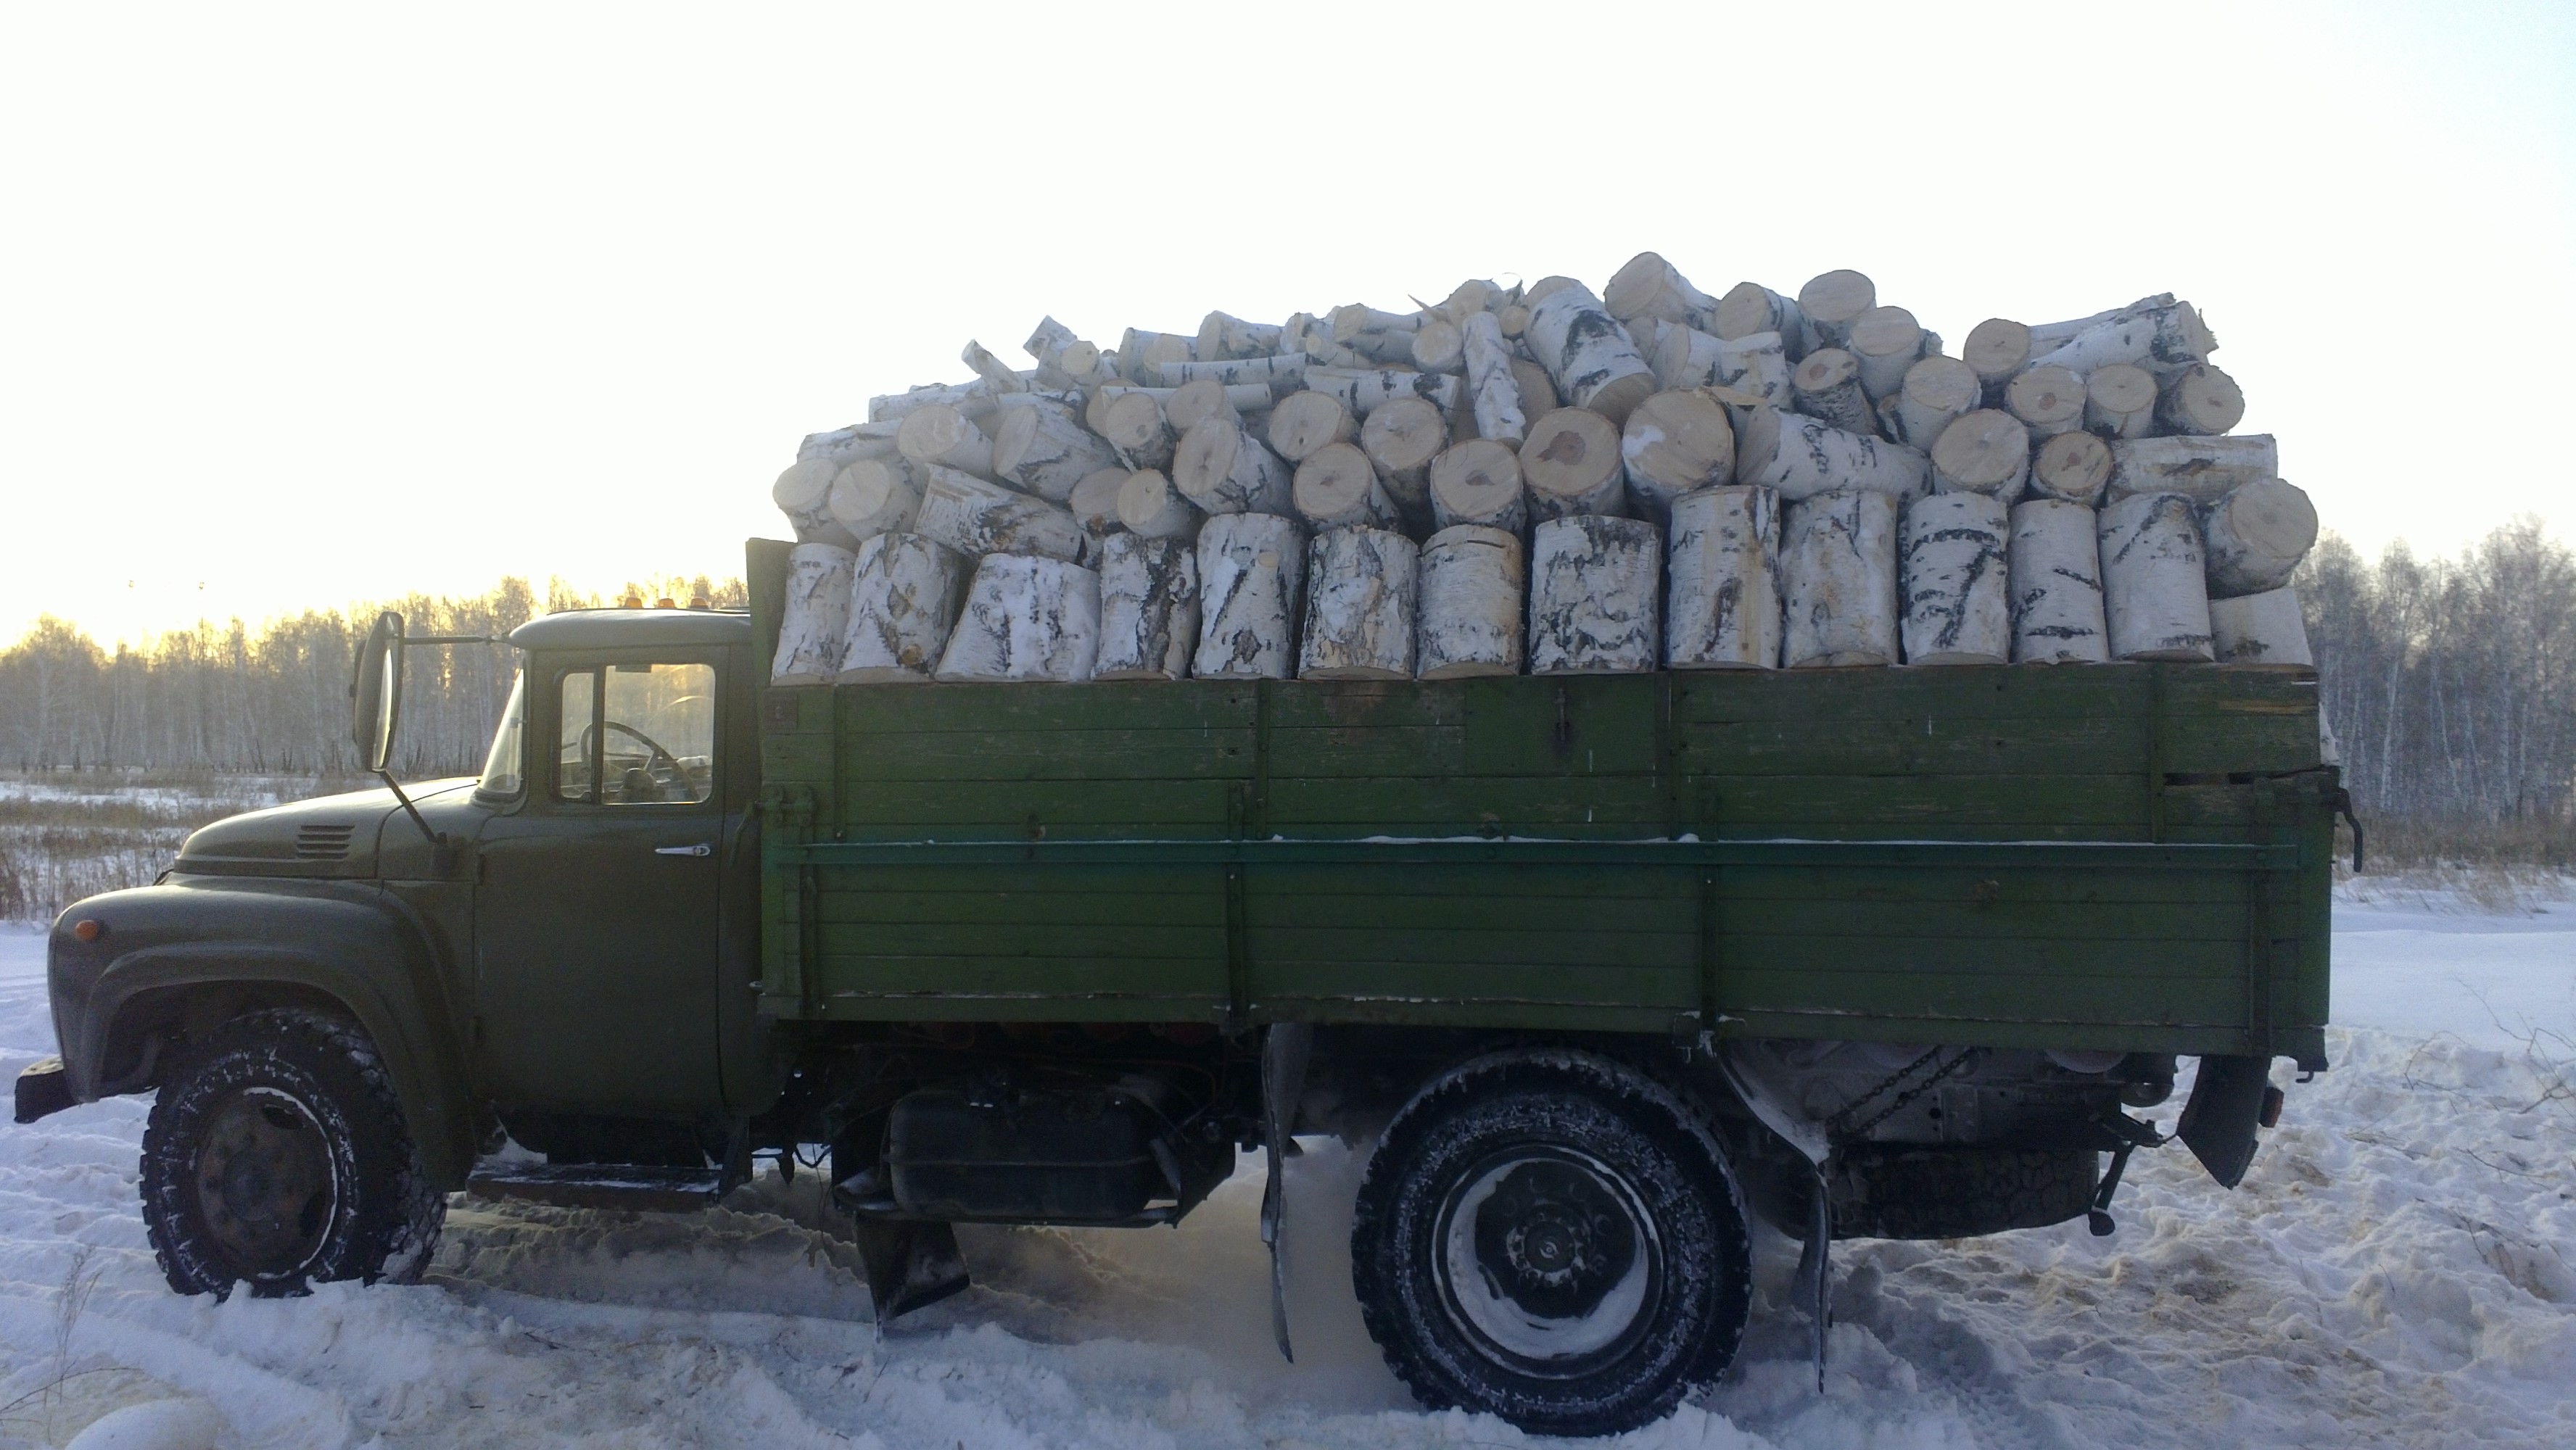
277 1156
1552 1238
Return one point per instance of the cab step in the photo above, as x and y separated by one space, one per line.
601 1185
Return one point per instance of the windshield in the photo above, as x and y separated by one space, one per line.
501 768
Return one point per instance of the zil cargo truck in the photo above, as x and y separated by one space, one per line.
1604 967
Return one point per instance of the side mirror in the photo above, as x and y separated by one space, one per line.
375 695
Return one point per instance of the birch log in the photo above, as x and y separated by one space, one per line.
1997 350
1827 387
942 435
1225 470
1982 452
1337 487
2055 570
1833 301
1686 358
1401 438
1365 391
1492 392
2205 469
1838 580
903 606
2255 537
1802 457
1888 342
2120 401
1385 337
2048 337
1281 374
1094 504
2261 629
1305 332
2071 466
1360 600
1304 423
1252 574
1186 405
1440 346
2049 400
1469 622
1674 443
2200 400
804 494
1570 465
1000 375
1477 482
1149 608
815 615
2163 340
2154 590
1046 450
1596 596
1134 424
1538 390
1952 580
974 399
1141 355
1650 287
1722 596
1222 335
874 496
1937 390
1026 619
1759 366
974 516
1469 298
1751 308
859 440
1149 506
1059 352
1587 354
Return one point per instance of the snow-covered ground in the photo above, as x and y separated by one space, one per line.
2398 1269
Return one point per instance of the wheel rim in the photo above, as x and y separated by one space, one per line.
1548 1261
267 1187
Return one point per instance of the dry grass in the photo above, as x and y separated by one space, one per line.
65 835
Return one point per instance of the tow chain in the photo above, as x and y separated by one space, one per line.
1839 1126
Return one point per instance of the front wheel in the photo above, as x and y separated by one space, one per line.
1553 1238
277 1156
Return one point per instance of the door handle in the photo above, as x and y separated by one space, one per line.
700 849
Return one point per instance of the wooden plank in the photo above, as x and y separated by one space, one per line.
1483 909
2041 807
1563 726
2220 891
1665 989
1994 996
1587 953
1060 754
1039 942
1416 751
1007 810
1913 746
1624 807
972 978
928 709
2095 692
1178 910
2078 925
1366 706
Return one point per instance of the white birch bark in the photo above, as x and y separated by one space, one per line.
1888 342
1751 308
1045 450
2056 581
1650 287
1225 470
1827 388
2048 399
1722 593
939 434
1596 596
2120 401
1186 405
1222 335
814 617
1063 358
1026 619
1478 482
1305 332
1252 574
1686 358
1306 422
1385 337
874 496
1952 580
1149 506
1537 389
974 399
1570 464
1360 602
1473 580
1675 443
2163 340
2256 535
1149 608
804 494
2047 337
904 600
974 516
1094 503
1469 298
1982 452
842 445
2204 469
1337 487
1586 353
1401 438
2261 629
1363 391
1281 374
1937 391
2071 466
1759 366
1134 425
2199 401
1997 350
1141 355
1440 346
1802 457
1833 301
1838 580
2154 590
1002 377
1492 391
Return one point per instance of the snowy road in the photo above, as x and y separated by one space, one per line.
2397 1270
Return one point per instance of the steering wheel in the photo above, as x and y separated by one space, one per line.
657 761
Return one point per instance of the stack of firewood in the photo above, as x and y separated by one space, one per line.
1549 480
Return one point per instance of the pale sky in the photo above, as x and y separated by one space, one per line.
303 306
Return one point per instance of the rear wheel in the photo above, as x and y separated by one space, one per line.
1552 1238
277 1156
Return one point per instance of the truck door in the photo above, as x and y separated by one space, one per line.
596 916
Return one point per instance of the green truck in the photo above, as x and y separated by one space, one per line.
1605 966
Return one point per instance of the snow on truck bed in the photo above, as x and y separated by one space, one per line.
2399 1268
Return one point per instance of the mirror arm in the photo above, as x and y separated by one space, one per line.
433 837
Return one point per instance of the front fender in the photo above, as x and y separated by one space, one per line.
169 955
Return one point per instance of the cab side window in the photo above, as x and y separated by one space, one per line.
636 735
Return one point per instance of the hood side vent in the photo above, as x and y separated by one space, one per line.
323 843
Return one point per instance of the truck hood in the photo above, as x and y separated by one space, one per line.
328 836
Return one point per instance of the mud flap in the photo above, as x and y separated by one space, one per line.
1284 1051
1815 1270
910 1265
2218 1123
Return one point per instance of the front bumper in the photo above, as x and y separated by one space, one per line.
43 1089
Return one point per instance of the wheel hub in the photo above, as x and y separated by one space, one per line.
1551 1240
1549 1262
266 1185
